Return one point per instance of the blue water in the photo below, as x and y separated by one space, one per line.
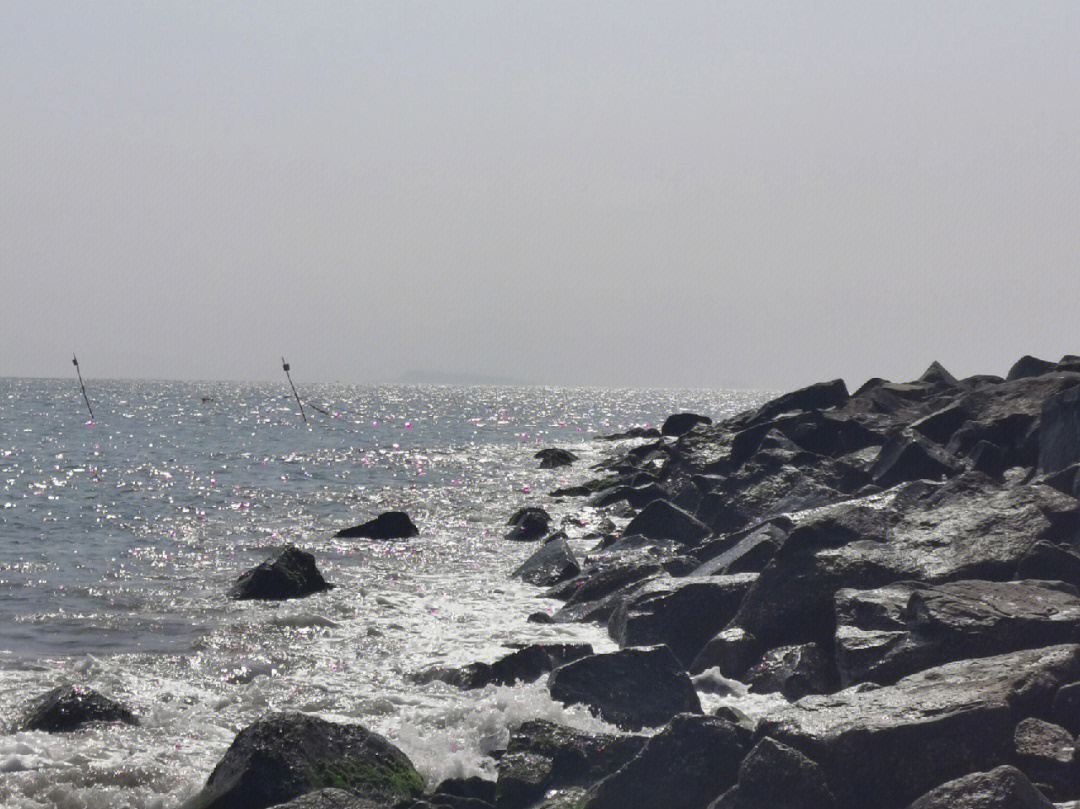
119 537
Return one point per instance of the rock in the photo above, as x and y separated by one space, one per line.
1044 752
749 551
794 671
1046 560
775 776
682 614
1059 431
458 792
332 799
636 496
661 520
601 587
940 425
937 375
552 563
684 766
888 633
1065 710
897 742
631 688
1029 366
821 396
526 665
912 457
529 523
285 755
553 458
388 525
1004 787
731 651
968 528
69 707
633 432
541 756
682 423
292 574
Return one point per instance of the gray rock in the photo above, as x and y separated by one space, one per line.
631 688
732 651
684 766
680 423
888 633
70 707
682 613
388 525
775 776
1045 754
526 665
542 756
285 755
291 574
912 457
552 563
793 671
1004 787
897 742
553 458
332 799
528 523
1059 431
662 520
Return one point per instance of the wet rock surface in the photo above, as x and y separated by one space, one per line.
70 707
286 755
291 574
388 525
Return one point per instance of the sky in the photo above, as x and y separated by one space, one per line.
624 194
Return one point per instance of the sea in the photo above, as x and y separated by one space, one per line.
121 534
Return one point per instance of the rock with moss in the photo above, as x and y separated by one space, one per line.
332 799
285 755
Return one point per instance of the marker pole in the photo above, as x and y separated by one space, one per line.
75 362
285 368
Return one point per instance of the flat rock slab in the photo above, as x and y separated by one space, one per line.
388 525
283 756
69 707
292 574
891 632
631 688
887 746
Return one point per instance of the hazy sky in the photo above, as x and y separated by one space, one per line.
684 193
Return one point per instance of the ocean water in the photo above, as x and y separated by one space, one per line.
120 536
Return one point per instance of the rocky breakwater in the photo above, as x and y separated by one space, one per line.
899 566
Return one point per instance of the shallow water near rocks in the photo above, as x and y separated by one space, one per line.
119 538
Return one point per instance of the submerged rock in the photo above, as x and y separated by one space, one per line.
388 525
292 574
528 523
526 665
69 707
631 688
285 755
553 458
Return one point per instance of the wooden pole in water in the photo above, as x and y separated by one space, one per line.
75 362
285 368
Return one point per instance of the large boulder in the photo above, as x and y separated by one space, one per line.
285 755
745 551
553 458
684 766
912 457
888 633
69 707
682 614
775 776
793 671
681 423
388 525
541 756
896 742
1004 787
732 651
526 665
969 528
820 396
552 563
631 688
291 574
662 520
1029 366
1059 431
528 523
